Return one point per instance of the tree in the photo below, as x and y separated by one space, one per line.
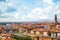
28 38
22 37
49 33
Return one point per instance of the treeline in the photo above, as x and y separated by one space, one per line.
22 37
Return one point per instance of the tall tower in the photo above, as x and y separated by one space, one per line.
55 19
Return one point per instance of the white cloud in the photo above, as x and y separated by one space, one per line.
7 20
42 13
37 10
48 9
25 7
3 7
5 14
36 14
16 15
48 1
10 4
57 12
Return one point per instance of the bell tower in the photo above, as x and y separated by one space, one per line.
55 19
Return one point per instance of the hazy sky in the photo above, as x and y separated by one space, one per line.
28 10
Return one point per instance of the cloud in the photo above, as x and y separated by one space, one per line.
2 0
16 15
5 14
7 20
25 7
11 9
8 15
36 14
57 12
43 13
10 4
14 9
48 1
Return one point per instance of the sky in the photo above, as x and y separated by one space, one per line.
28 10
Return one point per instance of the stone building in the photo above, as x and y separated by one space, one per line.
55 31
1 29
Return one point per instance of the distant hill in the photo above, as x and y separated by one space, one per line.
36 21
